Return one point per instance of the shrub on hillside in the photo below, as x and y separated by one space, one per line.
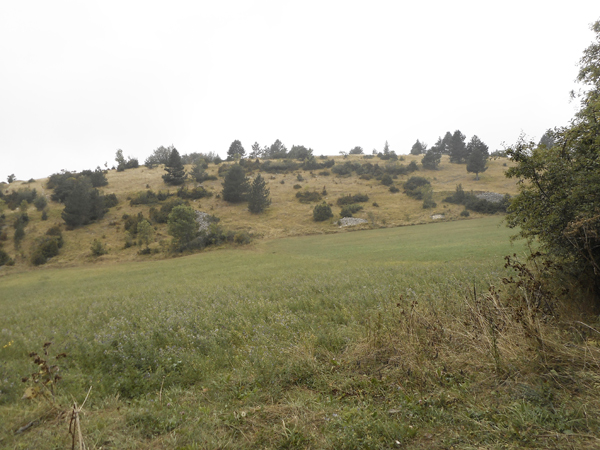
144 198
40 202
98 248
322 212
414 187
162 215
5 259
111 200
195 193
308 196
394 189
16 198
350 199
386 180
349 210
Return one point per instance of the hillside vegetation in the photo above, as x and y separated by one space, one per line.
286 216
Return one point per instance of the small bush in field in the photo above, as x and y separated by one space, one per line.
394 189
322 212
98 248
348 210
350 199
386 180
465 213
297 186
308 196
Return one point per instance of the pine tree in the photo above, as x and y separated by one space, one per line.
235 185
175 172
418 148
457 148
258 198
477 162
236 150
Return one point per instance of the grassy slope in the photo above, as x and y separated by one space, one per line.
285 217
353 340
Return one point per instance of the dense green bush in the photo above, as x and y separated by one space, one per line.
235 185
40 202
349 210
162 215
308 196
322 212
394 189
5 258
110 200
98 248
148 197
386 180
195 193
15 198
414 187
350 199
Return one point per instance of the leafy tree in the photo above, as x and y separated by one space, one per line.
256 151
258 198
357 151
11 178
120 159
158 156
418 148
235 185
235 151
182 226
300 152
560 185
478 154
145 232
456 148
175 172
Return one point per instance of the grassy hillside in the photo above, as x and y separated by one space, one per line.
286 216
381 339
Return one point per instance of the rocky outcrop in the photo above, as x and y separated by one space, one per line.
351 221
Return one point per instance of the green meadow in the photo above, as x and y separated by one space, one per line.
384 338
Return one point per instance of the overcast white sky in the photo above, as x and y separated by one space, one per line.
79 80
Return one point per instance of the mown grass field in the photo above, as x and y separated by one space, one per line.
374 339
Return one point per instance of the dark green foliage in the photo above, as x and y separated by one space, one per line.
308 196
198 172
311 163
456 148
418 148
322 212
40 202
56 233
559 182
195 193
284 166
276 151
428 201
182 226
122 164
356 151
236 151
394 189
158 156
350 199
464 213
15 198
470 200
300 152
19 235
175 171
148 197
547 140
414 187
258 197
97 177
324 173
235 185
130 223
98 248
348 210
45 249
83 205
459 197
386 180
5 258
412 166
478 155
111 200
11 178
162 215
21 220
432 159
44 215
297 186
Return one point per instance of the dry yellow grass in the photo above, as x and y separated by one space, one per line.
285 217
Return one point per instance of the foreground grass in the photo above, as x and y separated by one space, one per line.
372 339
